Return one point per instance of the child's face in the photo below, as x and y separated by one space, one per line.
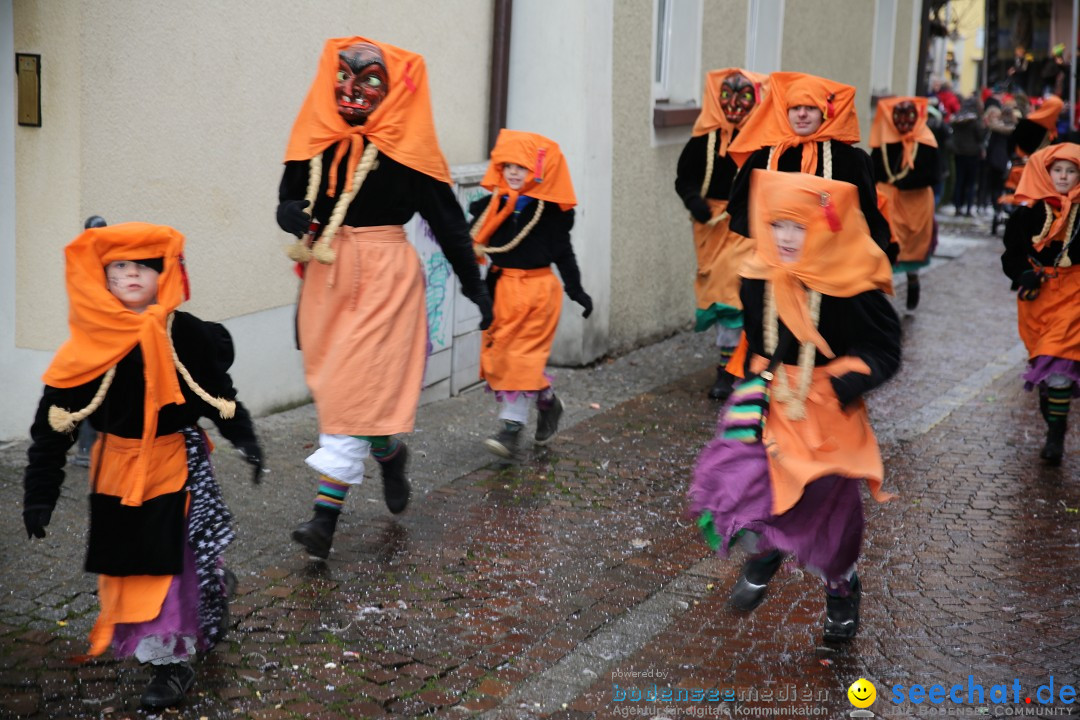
133 284
1064 174
515 175
804 119
790 237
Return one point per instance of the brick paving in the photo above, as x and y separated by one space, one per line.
529 590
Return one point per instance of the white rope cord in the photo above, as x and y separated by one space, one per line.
1063 259
904 172
710 162
299 251
486 250
794 400
322 250
226 408
62 420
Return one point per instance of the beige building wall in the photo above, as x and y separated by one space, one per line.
833 39
906 47
178 113
652 255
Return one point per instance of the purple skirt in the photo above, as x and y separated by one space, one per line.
1042 367
179 616
823 531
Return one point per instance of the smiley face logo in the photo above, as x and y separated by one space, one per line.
862 693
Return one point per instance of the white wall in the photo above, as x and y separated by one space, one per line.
560 86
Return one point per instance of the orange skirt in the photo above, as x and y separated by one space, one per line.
911 220
516 347
720 254
1050 324
828 441
363 332
134 598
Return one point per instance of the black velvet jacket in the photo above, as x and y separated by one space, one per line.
205 349
849 163
1024 224
926 172
691 172
391 194
863 326
548 242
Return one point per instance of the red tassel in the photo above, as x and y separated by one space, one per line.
538 172
408 79
830 212
184 279
830 110
298 268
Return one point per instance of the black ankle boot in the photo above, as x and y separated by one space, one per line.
547 422
317 534
912 292
725 381
749 589
395 485
505 442
842 613
169 685
1054 449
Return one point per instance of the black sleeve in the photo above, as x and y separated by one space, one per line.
926 171
239 429
439 207
477 207
864 181
47 454
877 343
738 204
1022 225
563 251
690 173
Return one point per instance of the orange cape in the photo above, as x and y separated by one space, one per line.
1047 114
103 331
401 127
1035 185
883 130
768 126
839 258
712 115
548 176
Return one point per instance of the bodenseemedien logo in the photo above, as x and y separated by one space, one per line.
862 695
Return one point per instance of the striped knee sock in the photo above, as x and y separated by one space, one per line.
383 447
331 494
726 353
1058 403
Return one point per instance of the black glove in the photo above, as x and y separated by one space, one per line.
1028 283
582 298
292 219
483 304
253 455
892 251
699 210
35 519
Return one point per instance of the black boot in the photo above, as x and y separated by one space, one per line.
169 685
505 442
912 292
725 381
395 485
749 589
842 613
547 422
317 534
1054 449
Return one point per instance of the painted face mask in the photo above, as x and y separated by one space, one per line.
737 98
904 116
361 82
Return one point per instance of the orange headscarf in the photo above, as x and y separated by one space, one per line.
1035 185
548 178
1047 114
883 130
839 258
401 126
712 115
769 126
103 331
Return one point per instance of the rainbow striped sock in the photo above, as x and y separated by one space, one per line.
331 494
1058 400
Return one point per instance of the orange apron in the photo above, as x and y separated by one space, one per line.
516 347
911 219
828 441
720 254
135 598
1050 324
363 332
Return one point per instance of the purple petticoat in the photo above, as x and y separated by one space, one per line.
1043 366
823 531
513 395
178 618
